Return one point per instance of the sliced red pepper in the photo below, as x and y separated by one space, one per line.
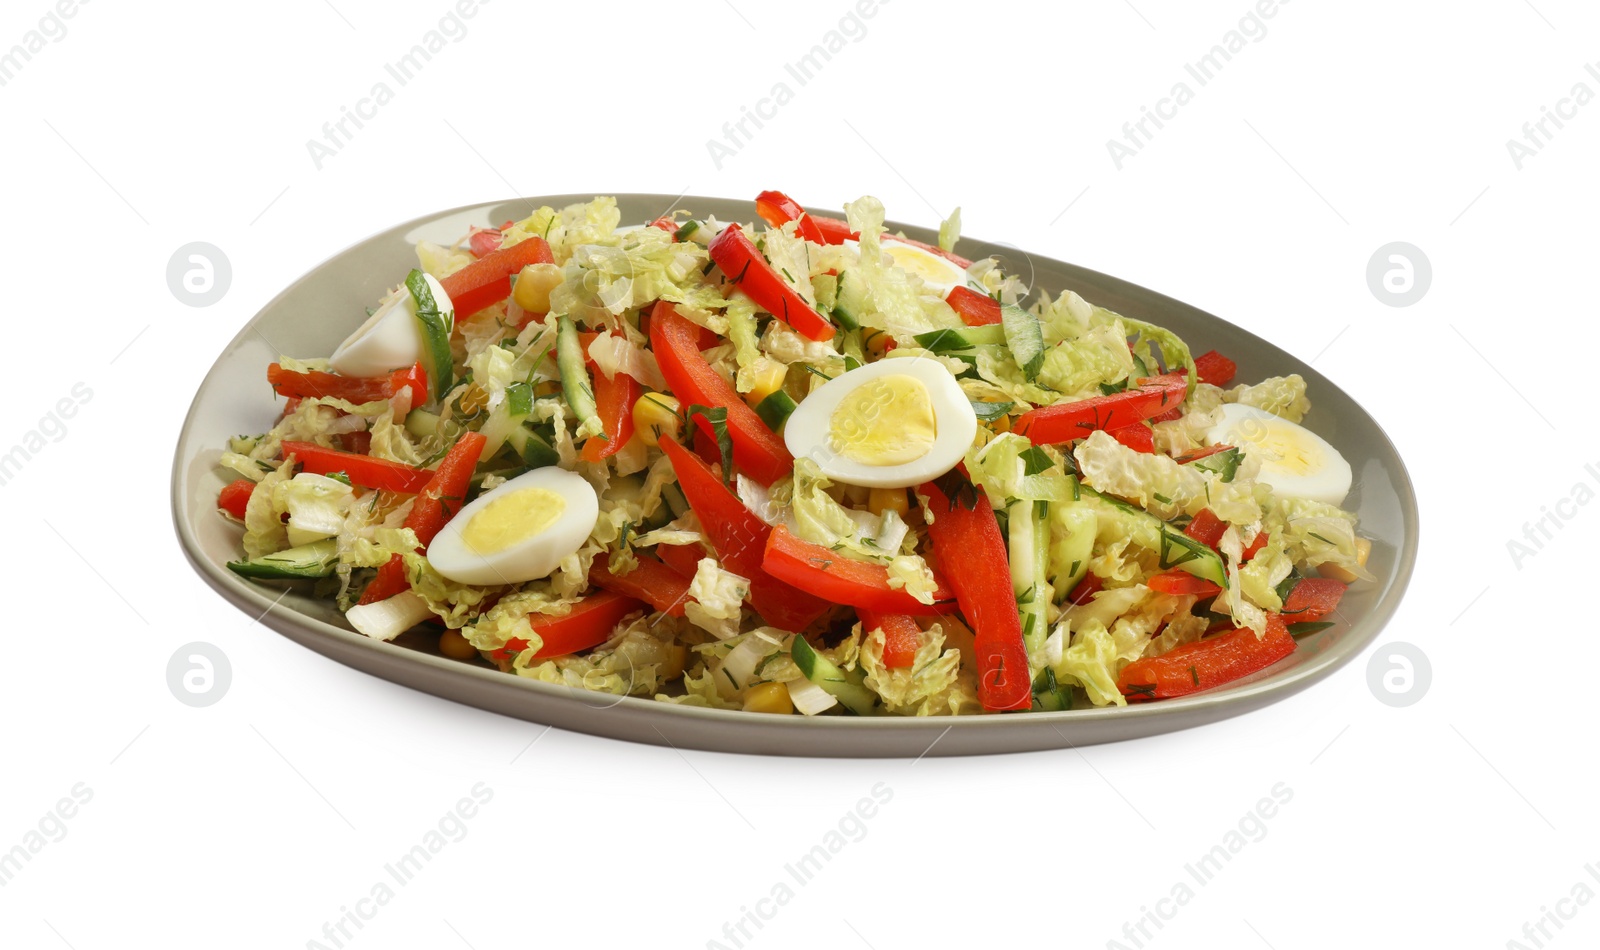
967 542
740 539
843 580
1211 662
589 623
1254 546
363 470
1138 437
320 385
974 309
1175 413
484 241
748 270
834 231
1206 528
778 209
1312 599
900 637
650 581
757 450
1179 583
438 502
614 399
1064 422
683 558
1085 590
358 442
666 224
487 281
1214 368
235 496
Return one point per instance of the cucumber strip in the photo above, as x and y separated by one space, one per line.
775 409
435 333
1048 695
847 687
308 560
421 423
519 400
950 339
535 451
1028 541
1224 463
686 231
850 301
575 384
1025 338
1073 526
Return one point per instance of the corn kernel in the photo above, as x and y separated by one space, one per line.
768 377
676 655
455 646
534 284
877 343
888 499
1363 551
768 698
655 417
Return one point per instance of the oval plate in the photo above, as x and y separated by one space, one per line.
318 311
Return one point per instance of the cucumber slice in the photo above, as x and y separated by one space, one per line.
1025 338
1048 695
435 333
1224 463
535 451
951 339
1028 541
775 409
850 301
575 384
308 560
848 688
1074 526
686 231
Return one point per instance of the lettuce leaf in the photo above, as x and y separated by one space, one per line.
1077 368
717 599
1160 485
921 689
1315 533
1283 396
264 531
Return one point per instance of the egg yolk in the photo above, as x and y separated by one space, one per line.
913 261
513 519
884 421
1277 443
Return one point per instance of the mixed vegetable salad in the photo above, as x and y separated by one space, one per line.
812 467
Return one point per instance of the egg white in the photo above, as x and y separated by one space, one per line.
939 274
391 338
530 558
808 429
1295 462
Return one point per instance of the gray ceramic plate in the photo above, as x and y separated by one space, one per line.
311 317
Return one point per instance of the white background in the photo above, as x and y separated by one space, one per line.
252 823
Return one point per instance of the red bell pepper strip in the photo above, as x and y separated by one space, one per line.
317 385
1312 599
363 470
967 542
1138 437
748 270
235 496
1179 583
974 309
834 231
589 624
487 281
1254 546
757 450
1217 659
614 399
484 241
1171 415
1086 589
1206 528
843 580
650 581
778 209
1064 422
900 637
1214 368
666 224
740 539
683 558
438 502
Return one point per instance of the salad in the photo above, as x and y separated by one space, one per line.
801 466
